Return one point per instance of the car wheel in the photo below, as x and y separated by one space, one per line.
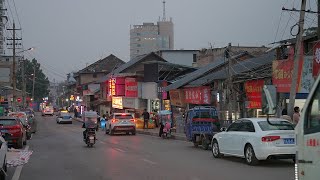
19 144
250 156
204 143
127 133
134 133
110 131
215 149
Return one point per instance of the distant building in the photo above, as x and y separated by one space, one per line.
182 57
150 37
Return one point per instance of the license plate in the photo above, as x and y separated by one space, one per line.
288 141
91 137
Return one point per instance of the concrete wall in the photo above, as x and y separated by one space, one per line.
179 57
87 78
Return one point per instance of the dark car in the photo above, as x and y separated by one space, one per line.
17 131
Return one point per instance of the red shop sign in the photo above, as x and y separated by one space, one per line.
131 87
316 59
254 91
198 95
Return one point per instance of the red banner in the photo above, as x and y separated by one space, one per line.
198 95
316 59
131 87
254 90
116 86
282 72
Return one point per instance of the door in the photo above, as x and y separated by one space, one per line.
226 139
241 137
309 144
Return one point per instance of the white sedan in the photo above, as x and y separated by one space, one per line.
255 139
64 118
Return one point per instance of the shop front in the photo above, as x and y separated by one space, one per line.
178 108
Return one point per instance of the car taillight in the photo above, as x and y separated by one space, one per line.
269 138
132 120
114 120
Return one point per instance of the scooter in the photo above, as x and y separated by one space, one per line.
166 134
90 139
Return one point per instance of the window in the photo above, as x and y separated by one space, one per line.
247 126
194 57
312 123
7 59
285 125
234 126
94 75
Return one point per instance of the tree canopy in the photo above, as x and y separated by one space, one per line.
41 86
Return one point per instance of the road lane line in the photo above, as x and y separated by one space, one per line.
18 170
148 161
119 150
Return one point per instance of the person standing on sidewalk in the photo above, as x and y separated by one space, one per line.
146 117
296 115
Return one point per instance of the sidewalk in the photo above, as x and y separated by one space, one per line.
153 132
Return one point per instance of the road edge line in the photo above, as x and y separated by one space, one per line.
17 172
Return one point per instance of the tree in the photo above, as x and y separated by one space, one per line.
41 86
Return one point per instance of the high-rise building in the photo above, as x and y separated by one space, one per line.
150 37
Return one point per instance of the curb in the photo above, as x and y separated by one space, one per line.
146 132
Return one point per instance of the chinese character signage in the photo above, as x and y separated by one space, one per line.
161 93
117 86
198 95
253 90
131 87
282 72
112 87
316 59
117 102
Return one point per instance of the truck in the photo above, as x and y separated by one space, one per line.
307 131
201 123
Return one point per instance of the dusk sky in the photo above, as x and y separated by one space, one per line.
68 34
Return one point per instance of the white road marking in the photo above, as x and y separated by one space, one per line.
119 149
148 161
18 170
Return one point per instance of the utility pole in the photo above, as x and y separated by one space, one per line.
318 20
14 81
297 54
23 83
230 85
33 81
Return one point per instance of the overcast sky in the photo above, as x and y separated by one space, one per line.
67 34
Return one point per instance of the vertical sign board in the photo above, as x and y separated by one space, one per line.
316 59
253 90
282 72
177 97
131 87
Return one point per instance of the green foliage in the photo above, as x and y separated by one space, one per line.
41 86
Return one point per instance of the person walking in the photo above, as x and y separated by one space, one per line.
296 115
75 112
146 117
284 115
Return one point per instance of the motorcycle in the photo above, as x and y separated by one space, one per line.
90 137
166 134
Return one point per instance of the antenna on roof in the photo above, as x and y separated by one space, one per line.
164 11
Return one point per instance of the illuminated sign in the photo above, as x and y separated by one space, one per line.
112 87
117 102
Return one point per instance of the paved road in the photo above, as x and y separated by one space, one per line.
60 153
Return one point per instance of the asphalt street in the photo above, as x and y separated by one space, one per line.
60 153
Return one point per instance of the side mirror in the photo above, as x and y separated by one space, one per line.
269 104
223 129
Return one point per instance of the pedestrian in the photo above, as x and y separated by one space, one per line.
296 115
103 122
284 115
75 112
146 117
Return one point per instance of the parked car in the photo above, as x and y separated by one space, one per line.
48 111
64 117
29 122
3 155
121 122
17 131
255 139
